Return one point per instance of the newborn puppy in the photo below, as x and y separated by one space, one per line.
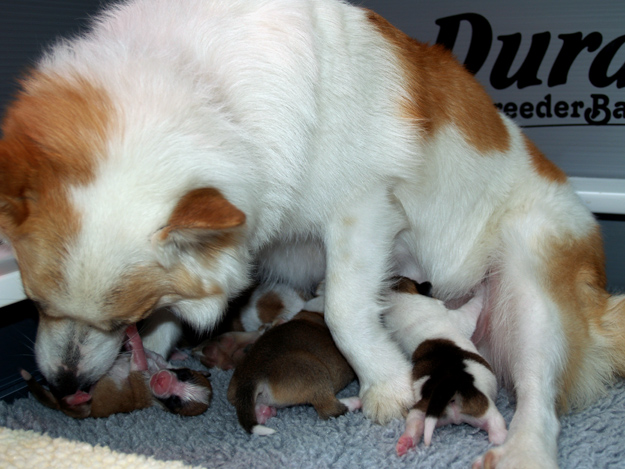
226 350
452 382
269 304
292 363
137 380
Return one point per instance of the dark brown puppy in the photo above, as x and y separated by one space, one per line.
293 363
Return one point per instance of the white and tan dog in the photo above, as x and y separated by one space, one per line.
182 145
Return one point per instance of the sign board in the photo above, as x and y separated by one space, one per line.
557 68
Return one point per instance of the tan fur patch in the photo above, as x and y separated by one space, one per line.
443 92
576 282
67 120
405 285
543 166
53 135
269 307
205 209
108 398
140 290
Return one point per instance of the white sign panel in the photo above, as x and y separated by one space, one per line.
557 68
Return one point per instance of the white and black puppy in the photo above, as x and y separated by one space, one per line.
452 381
153 166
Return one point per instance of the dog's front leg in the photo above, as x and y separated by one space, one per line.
358 247
161 332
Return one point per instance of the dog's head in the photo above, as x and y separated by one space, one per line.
100 239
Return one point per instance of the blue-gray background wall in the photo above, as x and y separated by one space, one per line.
27 26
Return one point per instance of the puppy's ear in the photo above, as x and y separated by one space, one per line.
200 215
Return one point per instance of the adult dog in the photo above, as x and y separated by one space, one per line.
181 147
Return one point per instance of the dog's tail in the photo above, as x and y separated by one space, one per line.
245 403
604 358
613 326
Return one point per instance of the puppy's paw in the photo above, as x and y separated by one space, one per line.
385 401
404 444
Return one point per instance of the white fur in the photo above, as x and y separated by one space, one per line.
292 109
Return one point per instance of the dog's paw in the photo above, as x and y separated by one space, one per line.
513 455
382 402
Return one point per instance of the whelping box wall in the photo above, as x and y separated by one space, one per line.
557 68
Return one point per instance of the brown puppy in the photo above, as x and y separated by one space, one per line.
293 363
268 306
226 350
136 380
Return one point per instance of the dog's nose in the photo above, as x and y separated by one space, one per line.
66 382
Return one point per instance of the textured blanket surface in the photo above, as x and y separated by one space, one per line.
593 438
26 449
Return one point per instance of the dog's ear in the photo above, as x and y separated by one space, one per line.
13 183
200 214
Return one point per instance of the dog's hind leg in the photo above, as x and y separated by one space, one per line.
527 347
546 306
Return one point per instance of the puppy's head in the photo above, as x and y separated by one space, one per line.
104 236
406 285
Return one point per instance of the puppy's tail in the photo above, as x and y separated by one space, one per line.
442 394
245 403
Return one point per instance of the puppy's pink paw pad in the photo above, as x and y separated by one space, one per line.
403 445
161 382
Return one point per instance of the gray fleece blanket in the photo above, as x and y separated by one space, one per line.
594 438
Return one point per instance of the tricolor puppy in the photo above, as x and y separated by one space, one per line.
293 363
452 382
182 147
137 380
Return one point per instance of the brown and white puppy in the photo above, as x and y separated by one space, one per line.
137 380
452 382
268 305
153 166
293 363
